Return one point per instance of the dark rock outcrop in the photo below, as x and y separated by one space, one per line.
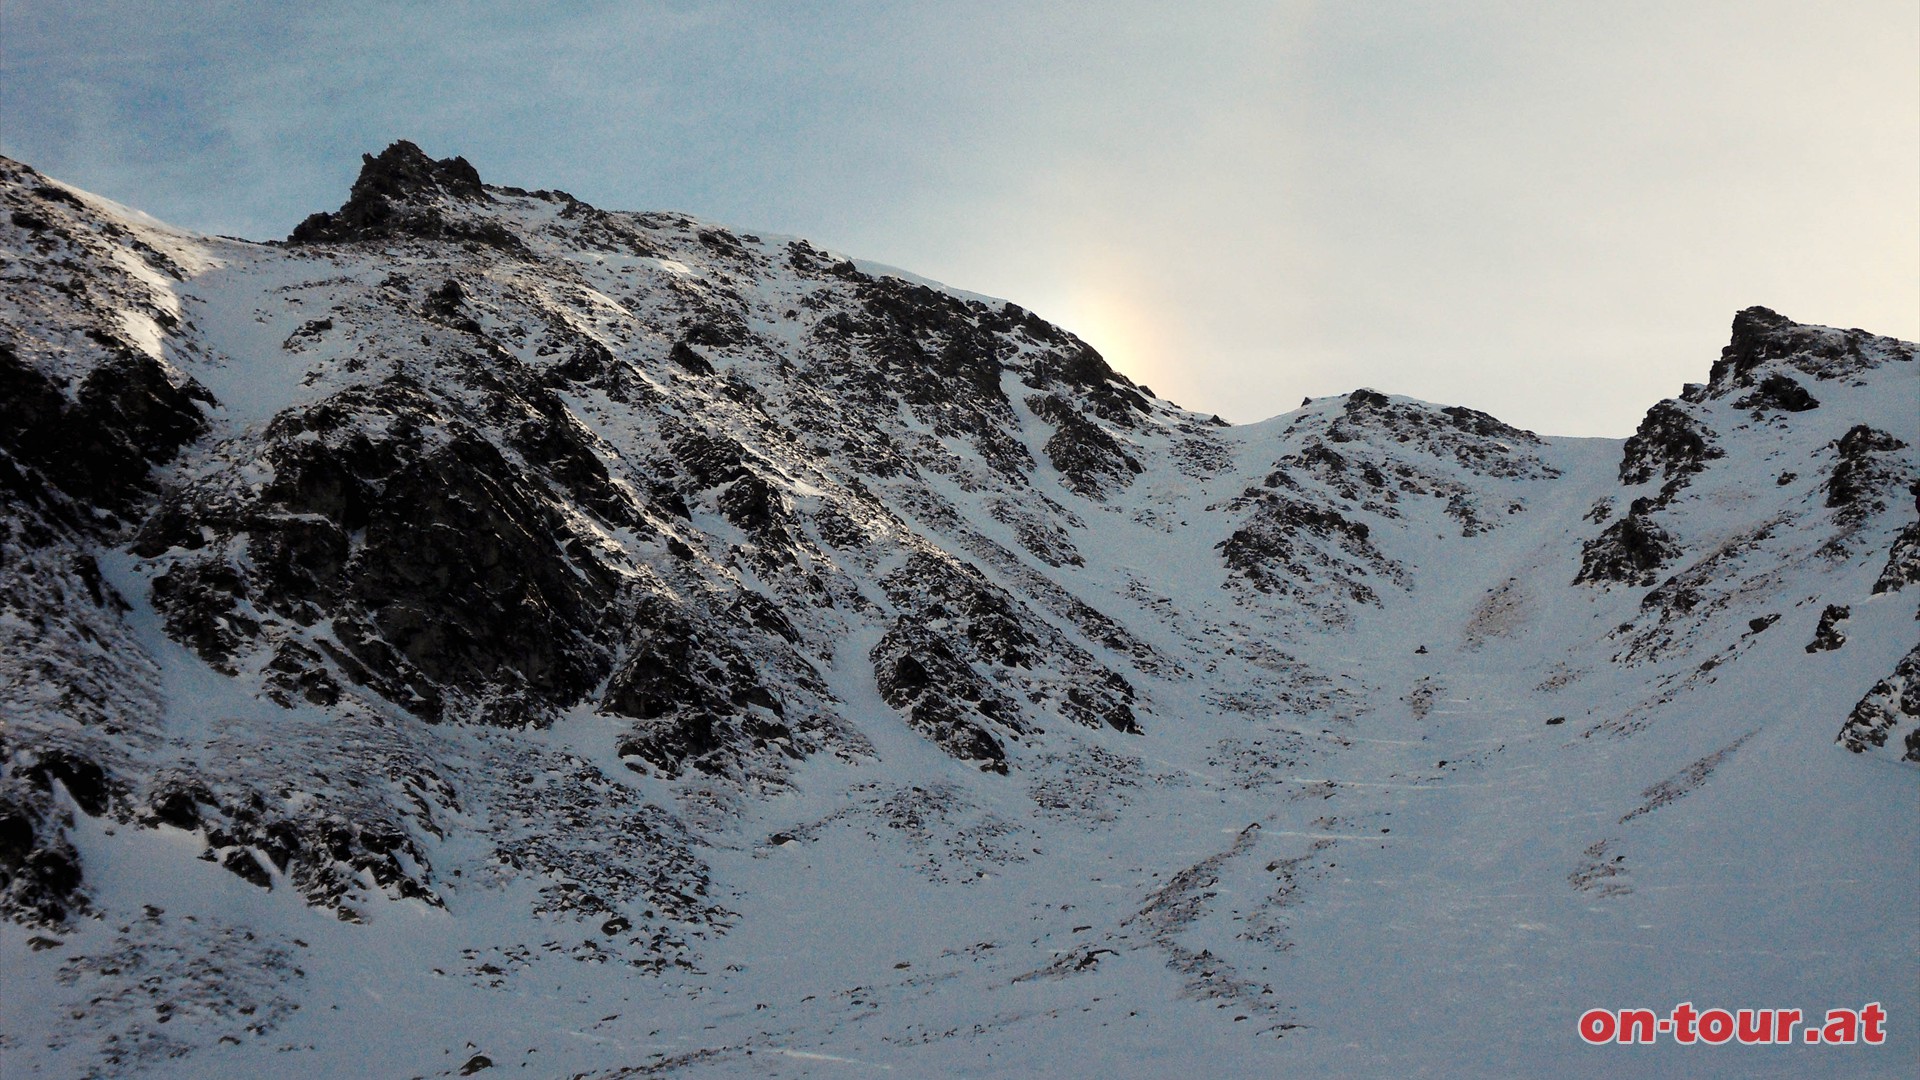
1892 703
1670 443
1903 560
1467 437
42 881
326 856
445 574
403 192
1778 392
127 416
1864 472
943 698
1827 636
40 874
697 695
1089 460
1287 545
1762 338
1630 551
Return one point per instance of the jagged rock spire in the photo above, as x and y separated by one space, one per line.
401 190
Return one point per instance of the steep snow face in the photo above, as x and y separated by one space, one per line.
489 630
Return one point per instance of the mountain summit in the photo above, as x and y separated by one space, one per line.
401 192
486 629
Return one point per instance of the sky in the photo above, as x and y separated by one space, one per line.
1549 212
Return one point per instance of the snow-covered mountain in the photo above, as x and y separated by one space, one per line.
483 631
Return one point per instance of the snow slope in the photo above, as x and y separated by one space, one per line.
485 631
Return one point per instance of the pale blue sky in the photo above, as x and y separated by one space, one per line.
1548 211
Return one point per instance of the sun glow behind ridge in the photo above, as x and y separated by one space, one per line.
1105 309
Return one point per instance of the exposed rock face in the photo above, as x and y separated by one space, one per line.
404 193
404 171
1473 439
1631 550
69 365
1670 444
1308 531
1889 709
1778 392
40 872
434 561
1827 636
1087 457
134 414
87 412
989 630
1864 475
1765 339
1903 562
1286 540
699 696
918 673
